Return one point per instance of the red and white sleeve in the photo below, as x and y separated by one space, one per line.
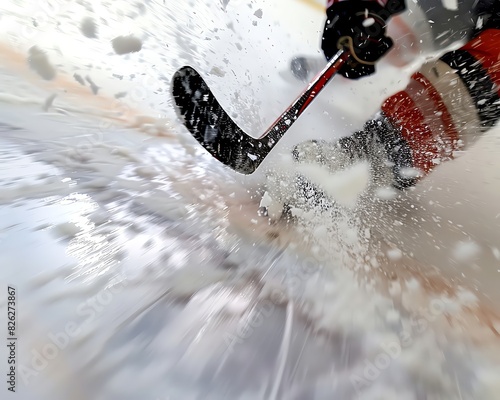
449 102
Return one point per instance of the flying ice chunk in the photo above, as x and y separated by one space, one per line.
410 173
466 251
48 102
394 254
496 253
38 61
217 72
450 4
88 28
79 79
66 230
126 44
266 200
386 193
97 183
93 86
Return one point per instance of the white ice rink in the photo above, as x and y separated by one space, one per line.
141 267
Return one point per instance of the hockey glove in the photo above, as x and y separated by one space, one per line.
359 26
379 143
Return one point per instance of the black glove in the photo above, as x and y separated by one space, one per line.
379 143
494 12
359 27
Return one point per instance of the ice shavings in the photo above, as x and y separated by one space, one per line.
410 172
266 200
39 62
394 254
88 27
496 252
258 13
344 187
66 230
48 102
126 44
217 71
450 4
466 251
386 193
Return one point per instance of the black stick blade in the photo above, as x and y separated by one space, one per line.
220 136
211 126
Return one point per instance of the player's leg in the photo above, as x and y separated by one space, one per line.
445 108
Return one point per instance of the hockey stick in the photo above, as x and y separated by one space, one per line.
210 125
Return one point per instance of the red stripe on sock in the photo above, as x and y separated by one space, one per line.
403 113
451 133
486 49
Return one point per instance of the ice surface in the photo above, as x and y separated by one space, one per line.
146 262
